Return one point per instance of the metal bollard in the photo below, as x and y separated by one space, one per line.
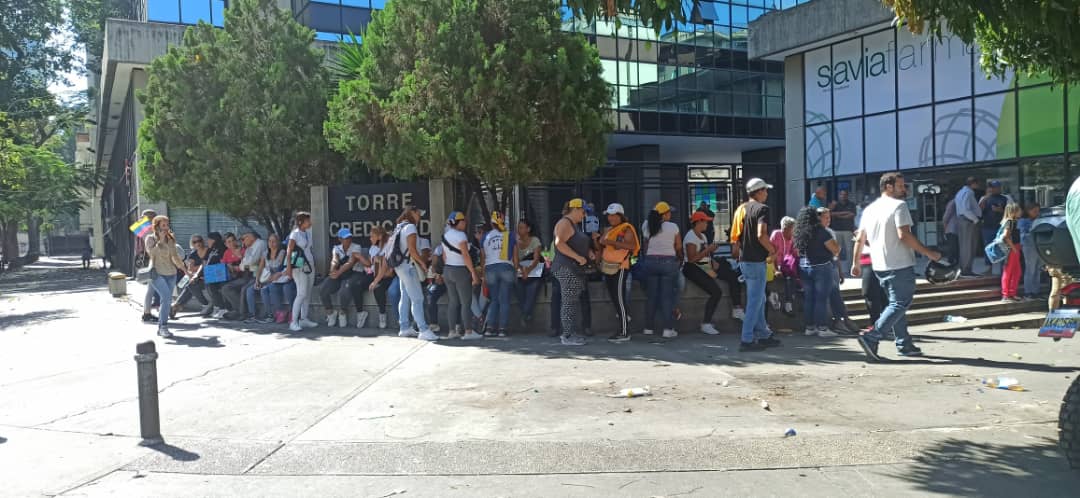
149 418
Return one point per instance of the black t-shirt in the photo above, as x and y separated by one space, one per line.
991 218
193 256
1014 233
752 250
816 252
840 224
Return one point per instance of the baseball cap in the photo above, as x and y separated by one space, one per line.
575 203
756 184
615 208
344 233
497 219
662 207
699 216
454 218
995 183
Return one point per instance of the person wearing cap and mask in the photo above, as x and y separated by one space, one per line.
698 268
752 251
497 254
992 205
346 268
619 243
663 257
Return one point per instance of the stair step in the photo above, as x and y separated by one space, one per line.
1030 319
852 287
987 308
939 298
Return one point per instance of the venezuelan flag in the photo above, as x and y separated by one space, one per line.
141 227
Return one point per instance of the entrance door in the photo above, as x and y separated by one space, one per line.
713 186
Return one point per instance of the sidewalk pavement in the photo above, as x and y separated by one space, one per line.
346 412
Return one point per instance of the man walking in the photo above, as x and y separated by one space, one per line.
967 220
886 226
752 250
843 225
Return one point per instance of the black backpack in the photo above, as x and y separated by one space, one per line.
397 256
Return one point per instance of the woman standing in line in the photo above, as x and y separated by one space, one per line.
663 257
403 258
162 248
460 276
300 267
1032 264
1010 273
498 256
698 267
619 243
568 267
818 248
530 265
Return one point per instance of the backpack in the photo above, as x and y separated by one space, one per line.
997 251
396 257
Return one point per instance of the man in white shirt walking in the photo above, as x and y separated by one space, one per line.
886 226
967 224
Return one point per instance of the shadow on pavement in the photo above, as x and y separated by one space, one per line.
196 342
957 467
10 321
64 279
176 453
3 440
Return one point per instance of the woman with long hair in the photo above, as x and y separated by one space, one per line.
460 275
403 258
663 255
618 243
1011 272
165 260
277 290
818 250
568 267
300 267
381 282
698 268
530 265
498 256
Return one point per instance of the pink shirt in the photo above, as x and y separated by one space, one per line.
783 247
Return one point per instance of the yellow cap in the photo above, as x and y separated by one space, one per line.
662 207
576 203
497 219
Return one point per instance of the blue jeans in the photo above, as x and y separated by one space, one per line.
1032 265
753 325
817 289
434 292
273 296
163 286
393 293
500 280
412 298
527 290
661 278
899 286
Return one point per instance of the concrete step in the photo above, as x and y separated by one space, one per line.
985 308
939 298
1027 320
852 287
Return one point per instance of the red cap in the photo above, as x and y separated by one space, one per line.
699 216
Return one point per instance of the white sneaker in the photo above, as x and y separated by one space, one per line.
295 327
307 324
434 327
708 328
670 334
810 331
382 320
361 319
164 332
207 310
454 334
825 332
788 307
647 332
342 320
428 335
219 314
407 333
331 318
774 300
738 314
472 336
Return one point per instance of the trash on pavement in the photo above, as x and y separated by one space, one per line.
632 392
1017 356
1005 383
955 319
789 432
764 404
724 384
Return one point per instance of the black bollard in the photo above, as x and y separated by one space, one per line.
149 418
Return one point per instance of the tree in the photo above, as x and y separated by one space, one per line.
660 14
88 24
488 91
1029 36
233 117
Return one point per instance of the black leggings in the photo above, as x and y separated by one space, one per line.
357 287
193 290
380 293
695 274
616 288
873 294
728 274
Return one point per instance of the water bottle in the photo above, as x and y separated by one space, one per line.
955 319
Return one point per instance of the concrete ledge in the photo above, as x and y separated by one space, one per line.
782 32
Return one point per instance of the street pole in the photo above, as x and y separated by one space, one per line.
149 417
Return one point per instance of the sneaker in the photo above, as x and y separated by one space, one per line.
206 311
434 327
709 329
308 324
869 347
826 332
750 347
361 319
331 318
846 326
382 320
454 334
471 336
342 320
810 331
572 341
617 338
489 333
265 320
407 333
295 327
910 351
147 317
234 316
738 313
647 332
164 332
251 320
774 300
502 333
428 335
789 308
219 314
281 317
770 342
670 334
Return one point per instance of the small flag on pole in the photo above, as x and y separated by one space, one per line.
141 227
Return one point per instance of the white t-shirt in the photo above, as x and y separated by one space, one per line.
693 238
303 242
345 255
455 237
663 243
402 239
373 252
880 221
493 248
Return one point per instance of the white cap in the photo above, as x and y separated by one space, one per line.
614 208
756 184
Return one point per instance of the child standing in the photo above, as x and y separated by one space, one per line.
1010 274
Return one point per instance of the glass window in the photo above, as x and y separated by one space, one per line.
848 71
1041 120
193 11
952 69
818 77
355 3
995 127
915 145
849 147
879 85
774 107
217 12
880 142
753 14
953 138
988 84
163 10
610 71
738 16
378 4
819 151
1073 111
913 62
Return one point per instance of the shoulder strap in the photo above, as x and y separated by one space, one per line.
449 246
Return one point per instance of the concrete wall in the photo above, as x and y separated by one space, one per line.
794 135
812 23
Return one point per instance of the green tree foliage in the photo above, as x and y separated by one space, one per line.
660 14
475 90
233 117
88 25
1030 36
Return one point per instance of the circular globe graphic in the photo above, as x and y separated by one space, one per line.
820 147
956 141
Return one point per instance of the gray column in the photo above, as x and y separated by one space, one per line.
441 198
320 229
794 134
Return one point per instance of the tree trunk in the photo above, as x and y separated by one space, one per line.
33 233
482 197
10 241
